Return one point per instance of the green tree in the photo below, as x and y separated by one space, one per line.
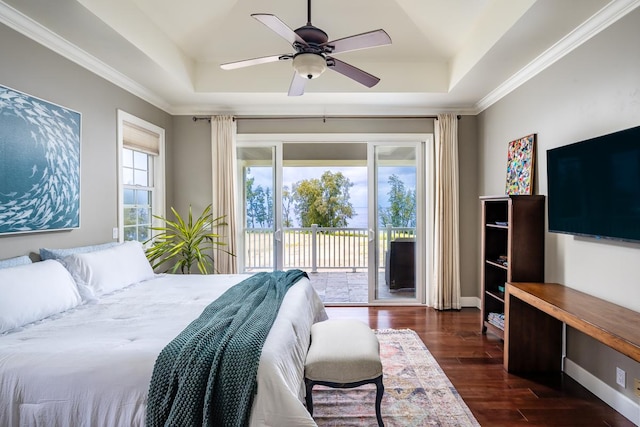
323 201
287 207
268 200
249 198
401 211
259 204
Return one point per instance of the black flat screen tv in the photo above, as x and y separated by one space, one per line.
594 187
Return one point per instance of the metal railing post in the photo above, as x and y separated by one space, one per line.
314 249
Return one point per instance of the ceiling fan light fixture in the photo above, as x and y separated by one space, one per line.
309 65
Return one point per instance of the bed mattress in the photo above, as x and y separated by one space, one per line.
91 366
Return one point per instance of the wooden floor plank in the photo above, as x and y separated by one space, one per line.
473 363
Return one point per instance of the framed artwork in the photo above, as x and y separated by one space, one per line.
520 165
39 164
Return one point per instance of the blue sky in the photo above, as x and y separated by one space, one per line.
357 175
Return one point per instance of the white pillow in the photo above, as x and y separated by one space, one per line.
15 261
47 253
35 291
102 272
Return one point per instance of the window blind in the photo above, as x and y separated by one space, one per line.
140 139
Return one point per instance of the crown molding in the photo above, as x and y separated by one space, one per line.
23 24
594 25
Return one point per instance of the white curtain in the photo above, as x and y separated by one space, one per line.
223 151
446 250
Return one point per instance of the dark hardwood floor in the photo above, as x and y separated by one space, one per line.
473 363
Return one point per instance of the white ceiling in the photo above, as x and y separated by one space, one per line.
453 55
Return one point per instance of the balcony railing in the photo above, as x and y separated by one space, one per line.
313 248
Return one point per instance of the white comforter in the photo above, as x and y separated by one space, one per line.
91 366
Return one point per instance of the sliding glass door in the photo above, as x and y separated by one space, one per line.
260 231
396 221
350 213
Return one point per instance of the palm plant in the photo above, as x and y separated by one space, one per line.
185 243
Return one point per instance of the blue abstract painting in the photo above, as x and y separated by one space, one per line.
39 164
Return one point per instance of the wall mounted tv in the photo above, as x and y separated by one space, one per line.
594 187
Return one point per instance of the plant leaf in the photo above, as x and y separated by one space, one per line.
186 243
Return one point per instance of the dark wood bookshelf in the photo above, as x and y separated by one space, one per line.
512 249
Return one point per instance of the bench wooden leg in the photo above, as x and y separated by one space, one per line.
309 400
379 393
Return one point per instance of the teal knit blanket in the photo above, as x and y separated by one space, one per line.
206 376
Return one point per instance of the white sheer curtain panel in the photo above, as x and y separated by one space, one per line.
223 151
446 250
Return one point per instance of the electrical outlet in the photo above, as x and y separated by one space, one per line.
114 232
621 377
636 386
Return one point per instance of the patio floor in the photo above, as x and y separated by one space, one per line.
346 287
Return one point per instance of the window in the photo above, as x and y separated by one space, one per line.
141 165
137 174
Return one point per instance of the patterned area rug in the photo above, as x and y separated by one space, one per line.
417 392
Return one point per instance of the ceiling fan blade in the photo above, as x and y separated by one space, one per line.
352 72
279 27
254 61
359 41
297 85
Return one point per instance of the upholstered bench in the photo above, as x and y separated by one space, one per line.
343 354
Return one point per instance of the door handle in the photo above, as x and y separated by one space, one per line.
372 235
278 235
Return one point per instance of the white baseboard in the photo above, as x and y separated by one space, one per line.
470 302
605 392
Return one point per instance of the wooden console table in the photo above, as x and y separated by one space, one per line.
535 312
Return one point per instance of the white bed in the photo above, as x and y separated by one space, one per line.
91 365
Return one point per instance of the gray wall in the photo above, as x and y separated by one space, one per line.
469 207
191 157
191 165
593 91
29 67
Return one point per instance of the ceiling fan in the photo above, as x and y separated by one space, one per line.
313 52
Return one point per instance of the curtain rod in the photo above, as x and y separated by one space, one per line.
324 118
